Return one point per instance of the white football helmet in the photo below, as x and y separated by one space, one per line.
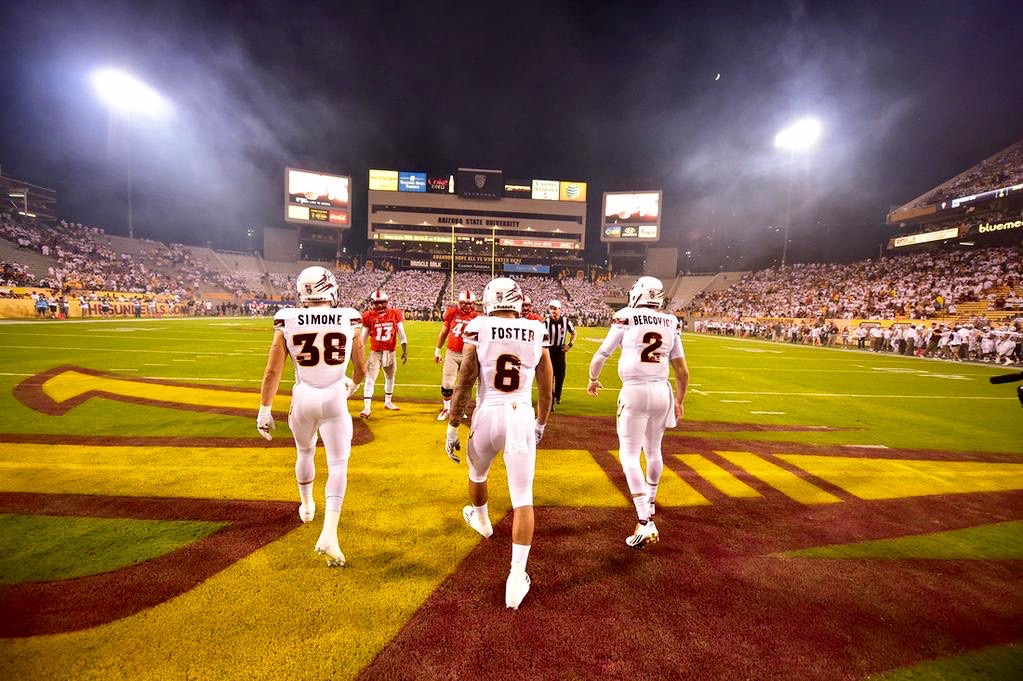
380 300
502 294
317 285
647 292
466 300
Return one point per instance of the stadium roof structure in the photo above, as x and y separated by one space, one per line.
995 177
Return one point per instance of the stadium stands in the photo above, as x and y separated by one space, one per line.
1001 170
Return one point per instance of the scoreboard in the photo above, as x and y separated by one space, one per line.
315 198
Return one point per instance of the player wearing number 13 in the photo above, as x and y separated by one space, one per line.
320 339
650 340
504 351
385 327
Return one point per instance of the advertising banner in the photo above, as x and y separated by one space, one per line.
318 198
572 191
546 190
477 183
383 180
412 182
440 184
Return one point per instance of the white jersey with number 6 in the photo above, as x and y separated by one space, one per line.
649 339
508 351
319 340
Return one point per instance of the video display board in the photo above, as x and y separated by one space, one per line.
317 198
631 216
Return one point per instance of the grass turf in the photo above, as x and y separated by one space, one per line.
47 548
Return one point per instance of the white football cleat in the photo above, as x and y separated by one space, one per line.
643 536
443 415
475 522
516 588
333 553
391 406
307 513
364 414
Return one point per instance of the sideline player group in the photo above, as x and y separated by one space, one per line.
499 353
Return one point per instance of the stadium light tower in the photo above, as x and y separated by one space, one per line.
799 136
129 97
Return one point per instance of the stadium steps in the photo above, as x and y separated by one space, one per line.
133 247
685 288
34 261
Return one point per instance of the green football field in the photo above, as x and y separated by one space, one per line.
825 513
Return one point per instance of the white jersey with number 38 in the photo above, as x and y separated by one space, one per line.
319 340
508 350
649 340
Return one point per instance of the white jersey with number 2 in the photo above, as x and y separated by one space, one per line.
319 340
649 340
508 350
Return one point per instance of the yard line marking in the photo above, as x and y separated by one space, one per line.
755 412
868 446
155 365
698 392
843 395
718 476
673 490
96 349
786 482
182 360
736 401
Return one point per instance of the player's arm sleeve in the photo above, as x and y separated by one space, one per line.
611 341
676 349
402 337
471 332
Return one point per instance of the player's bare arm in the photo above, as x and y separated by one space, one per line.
403 339
545 387
268 388
681 369
440 343
467 375
359 358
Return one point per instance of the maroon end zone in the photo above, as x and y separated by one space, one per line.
713 600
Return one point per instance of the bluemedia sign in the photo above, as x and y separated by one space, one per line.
411 182
528 269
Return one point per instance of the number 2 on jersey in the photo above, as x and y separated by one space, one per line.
649 353
333 349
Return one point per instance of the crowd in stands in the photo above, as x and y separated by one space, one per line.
913 286
978 340
1002 170
416 291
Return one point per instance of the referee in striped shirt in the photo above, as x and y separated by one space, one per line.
562 336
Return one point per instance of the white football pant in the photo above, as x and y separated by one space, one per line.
384 359
508 427
325 410
643 413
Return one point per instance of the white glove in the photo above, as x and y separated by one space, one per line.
538 429
351 386
265 422
451 444
436 355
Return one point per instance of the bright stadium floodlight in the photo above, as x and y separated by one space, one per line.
800 135
126 94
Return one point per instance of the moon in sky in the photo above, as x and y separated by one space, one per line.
717 77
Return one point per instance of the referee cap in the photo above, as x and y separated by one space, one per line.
555 303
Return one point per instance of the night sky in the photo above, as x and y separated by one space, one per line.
622 96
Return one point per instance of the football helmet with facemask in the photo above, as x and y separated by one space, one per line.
502 294
317 285
647 292
466 301
380 300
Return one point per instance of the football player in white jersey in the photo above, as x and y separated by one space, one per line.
650 340
320 339
504 351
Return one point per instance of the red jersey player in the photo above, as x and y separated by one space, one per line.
455 319
384 326
527 310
